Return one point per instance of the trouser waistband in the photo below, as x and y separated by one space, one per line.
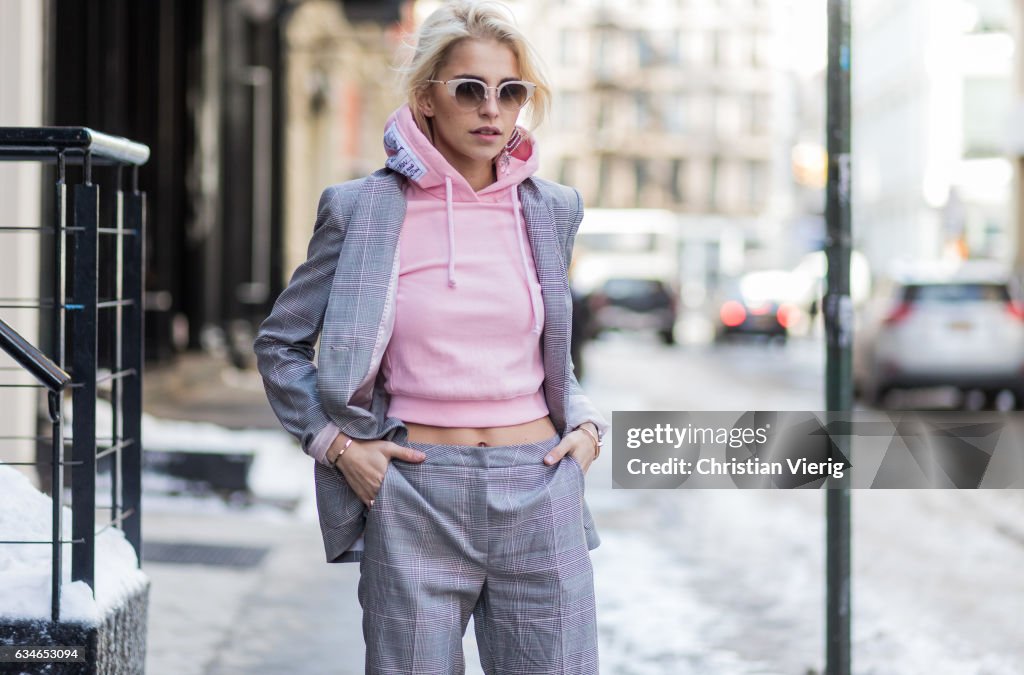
487 456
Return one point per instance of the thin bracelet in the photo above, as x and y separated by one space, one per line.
343 449
597 443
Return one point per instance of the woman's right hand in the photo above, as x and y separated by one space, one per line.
364 462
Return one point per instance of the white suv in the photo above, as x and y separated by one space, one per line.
942 326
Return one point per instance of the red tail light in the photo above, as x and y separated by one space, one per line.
732 314
786 315
897 315
1015 309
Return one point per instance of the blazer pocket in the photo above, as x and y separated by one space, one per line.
334 365
336 503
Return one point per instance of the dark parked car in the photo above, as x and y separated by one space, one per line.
634 304
758 303
581 330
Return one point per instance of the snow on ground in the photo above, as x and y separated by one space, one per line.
26 515
280 472
716 581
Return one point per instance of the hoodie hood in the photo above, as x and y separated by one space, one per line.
410 153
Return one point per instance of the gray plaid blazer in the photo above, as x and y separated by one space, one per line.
345 293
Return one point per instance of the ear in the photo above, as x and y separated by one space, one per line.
425 104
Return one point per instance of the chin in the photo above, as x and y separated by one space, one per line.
478 156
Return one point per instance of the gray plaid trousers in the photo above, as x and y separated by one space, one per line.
491 532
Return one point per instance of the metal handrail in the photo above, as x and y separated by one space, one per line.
77 223
44 143
49 374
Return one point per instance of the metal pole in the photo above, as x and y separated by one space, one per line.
1018 35
134 345
83 399
56 399
838 330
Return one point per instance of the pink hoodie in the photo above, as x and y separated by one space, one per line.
465 348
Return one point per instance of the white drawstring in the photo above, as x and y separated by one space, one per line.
534 302
522 256
451 231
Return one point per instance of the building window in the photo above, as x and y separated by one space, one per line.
762 56
725 113
642 175
567 171
568 47
987 104
760 114
603 113
676 178
642 104
603 182
602 55
676 113
716 48
645 53
756 184
675 47
568 111
714 177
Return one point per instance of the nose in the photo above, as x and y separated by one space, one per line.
489 107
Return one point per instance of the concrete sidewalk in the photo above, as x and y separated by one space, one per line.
291 613
200 387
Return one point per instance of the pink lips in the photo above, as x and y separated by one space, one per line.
488 133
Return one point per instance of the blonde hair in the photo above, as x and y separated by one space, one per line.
460 20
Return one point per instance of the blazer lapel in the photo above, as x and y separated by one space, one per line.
352 325
551 273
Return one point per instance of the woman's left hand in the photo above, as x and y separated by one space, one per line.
577 443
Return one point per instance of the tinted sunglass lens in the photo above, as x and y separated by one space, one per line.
513 94
469 93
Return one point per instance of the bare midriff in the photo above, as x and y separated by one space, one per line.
535 431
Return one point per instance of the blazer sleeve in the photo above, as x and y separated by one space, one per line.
578 406
284 343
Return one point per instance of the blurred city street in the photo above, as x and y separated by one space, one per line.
687 581
748 171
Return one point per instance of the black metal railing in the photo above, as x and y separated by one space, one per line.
76 311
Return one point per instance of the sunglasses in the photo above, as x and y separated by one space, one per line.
470 94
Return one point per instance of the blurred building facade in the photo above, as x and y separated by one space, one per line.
21 104
341 87
662 104
932 96
249 107
687 105
213 88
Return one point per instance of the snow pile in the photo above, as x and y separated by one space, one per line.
280 474
280 470
25 515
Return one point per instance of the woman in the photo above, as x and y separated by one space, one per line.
450 435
